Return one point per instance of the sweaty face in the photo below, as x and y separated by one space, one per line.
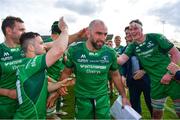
98 35
39 46
135 31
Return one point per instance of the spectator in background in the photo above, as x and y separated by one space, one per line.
109 43
118 47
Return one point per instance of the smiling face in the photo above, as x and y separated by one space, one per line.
39 46
136 32
117 41
97 34
128 36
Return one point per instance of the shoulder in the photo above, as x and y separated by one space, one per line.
2 46
107 49
76 46
155 35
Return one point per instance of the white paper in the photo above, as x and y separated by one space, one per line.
126 113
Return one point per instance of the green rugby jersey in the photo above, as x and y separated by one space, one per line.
10 59
119 49
152 54
32 89
91 69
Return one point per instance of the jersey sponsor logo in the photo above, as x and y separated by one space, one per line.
93 66
93 54
6 54
89 71
83 56
12 65
92 69
82 59
7 58
15 62
146 53
15 49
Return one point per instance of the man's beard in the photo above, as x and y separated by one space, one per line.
96 46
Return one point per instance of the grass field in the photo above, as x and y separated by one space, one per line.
169 113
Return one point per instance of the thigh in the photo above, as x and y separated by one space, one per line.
83 108
103 107
158 91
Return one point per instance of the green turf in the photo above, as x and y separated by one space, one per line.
169 113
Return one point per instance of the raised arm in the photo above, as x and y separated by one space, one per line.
72 38
59 45
77 36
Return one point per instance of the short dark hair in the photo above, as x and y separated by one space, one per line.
54 28
9 21
126 28
25 38
136 21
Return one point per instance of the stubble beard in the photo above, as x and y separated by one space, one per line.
96 46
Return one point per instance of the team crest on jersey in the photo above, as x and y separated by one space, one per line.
150 44
105 58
